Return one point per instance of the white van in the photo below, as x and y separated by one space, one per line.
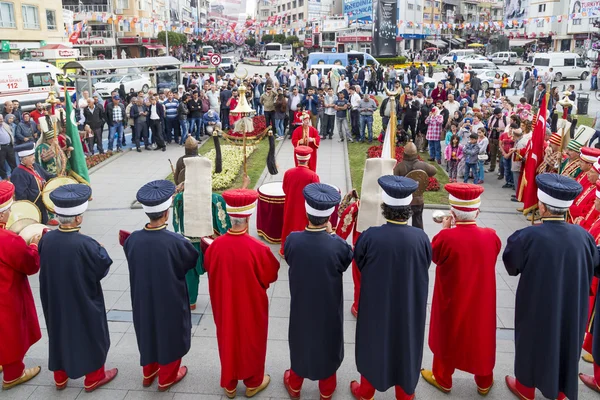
504 57
460 54
564 65
28 82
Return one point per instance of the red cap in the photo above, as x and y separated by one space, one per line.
556 139
240 202
303 153
464 196
590 154
7 190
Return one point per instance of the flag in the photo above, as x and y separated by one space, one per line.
388 149
79 168
535 155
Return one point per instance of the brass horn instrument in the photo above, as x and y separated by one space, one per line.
439 215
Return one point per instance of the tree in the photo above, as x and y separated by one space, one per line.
267 38
175 39
291 39
279 38
251 42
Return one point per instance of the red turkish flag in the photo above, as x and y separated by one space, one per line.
535 155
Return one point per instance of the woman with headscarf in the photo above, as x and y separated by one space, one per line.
26 130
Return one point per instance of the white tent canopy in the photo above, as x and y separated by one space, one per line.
519 42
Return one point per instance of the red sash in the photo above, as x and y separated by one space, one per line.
41 181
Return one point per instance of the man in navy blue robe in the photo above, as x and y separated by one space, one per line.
555 261
29 178
316 332
158 261
72 266
393 260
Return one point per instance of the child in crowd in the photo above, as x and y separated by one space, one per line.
453 130
506 143
482 142
87 140
471 153
453 155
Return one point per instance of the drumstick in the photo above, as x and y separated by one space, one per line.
172 169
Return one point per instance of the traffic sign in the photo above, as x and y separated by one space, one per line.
215 59
333 50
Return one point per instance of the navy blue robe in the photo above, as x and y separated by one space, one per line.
71 268
556 261
158 261
317 261
393 260
27 188
595 323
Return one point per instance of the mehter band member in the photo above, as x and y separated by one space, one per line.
306 135
316 331
72 266
550 318
393 260
158 261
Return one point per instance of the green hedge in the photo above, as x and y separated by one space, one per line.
392 60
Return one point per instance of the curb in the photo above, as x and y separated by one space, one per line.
108 161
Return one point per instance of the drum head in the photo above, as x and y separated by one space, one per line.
32 230
53 184
23 209
274 189
421 178
21 224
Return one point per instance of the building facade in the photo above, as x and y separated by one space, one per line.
28 25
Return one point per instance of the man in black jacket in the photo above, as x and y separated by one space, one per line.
422 126
139 114
155 117
224 98
410 113
195 116
95 118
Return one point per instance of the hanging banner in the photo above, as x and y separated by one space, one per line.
361 10
585 9
384 28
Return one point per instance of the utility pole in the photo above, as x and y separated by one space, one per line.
167 28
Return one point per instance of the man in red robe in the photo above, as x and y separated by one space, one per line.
19 326
240 269
294 181
585 201
306 135
462 334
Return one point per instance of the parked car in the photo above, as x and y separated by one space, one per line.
228 64
136 82
474 57
276 60
487 77
504 58
564 65
460 55
477 65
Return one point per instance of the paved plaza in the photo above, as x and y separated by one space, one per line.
114 188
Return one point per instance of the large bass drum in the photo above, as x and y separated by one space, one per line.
53 184
22 214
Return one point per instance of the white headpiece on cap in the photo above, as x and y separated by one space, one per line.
394 202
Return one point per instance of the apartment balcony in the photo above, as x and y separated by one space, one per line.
88 8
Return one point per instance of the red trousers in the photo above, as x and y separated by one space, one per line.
587 342
251 383
443 375
367 391
91 379
356 279
166 373
13 371
326 386
530 392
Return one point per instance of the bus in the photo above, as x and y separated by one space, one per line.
344 59
272 49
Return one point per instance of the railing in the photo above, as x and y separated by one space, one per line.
95 33
88 8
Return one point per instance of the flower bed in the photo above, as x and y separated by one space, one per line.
260 124
233 159
96 159
375 152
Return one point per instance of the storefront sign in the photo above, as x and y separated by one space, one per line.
96 42
351 39
308 42
129 41
332 25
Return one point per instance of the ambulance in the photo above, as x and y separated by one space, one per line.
29 82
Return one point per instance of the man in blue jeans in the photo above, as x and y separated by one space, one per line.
115 114
366 108
172 130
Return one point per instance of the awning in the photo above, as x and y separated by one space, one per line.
147 62
519 42
154 47
460 40
437 43
455 42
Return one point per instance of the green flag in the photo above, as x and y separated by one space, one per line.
79 168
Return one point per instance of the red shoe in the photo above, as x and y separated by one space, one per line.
192 307
354 389
354 311
109 376
61 386
52 222
511 382
589 381
149 380
294 394
180 375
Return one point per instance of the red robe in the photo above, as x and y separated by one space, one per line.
584 202
298 138
589 218
240 269
346 226
19 326
594 230
463 313
294 214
